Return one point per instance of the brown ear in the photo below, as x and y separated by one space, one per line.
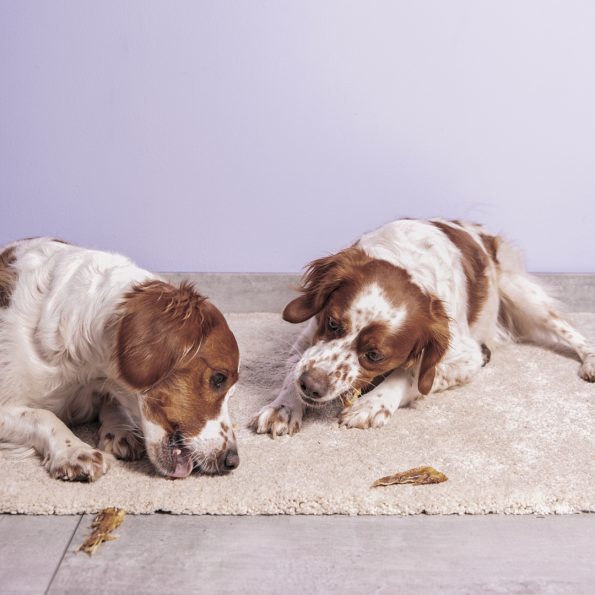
159 326
436 344
300 309
322 277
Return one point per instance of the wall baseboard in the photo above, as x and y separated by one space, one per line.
269 292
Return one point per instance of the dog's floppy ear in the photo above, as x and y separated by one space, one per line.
158 327
434 347
322 277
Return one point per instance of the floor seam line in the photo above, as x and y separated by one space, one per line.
63 554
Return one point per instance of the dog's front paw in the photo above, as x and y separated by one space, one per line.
365 413
123 444
277 420
77 463
587 369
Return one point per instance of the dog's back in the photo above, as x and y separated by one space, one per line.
50 334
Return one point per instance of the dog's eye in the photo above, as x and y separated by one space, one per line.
374 356
218 379
332 324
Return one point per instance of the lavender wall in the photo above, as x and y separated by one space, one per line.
256 135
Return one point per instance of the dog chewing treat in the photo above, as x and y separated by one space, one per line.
349 398
417 476
103 524
409 309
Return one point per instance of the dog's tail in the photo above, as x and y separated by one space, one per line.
525 304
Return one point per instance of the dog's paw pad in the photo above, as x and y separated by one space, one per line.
277 421
78 464
587 369
124 445
365 415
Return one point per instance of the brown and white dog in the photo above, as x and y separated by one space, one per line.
87 334
407 310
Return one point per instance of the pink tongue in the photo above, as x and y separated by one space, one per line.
183 467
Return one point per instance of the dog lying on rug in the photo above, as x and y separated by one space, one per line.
87 334
405 311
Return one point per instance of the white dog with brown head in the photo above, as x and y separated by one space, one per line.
409 309
87 334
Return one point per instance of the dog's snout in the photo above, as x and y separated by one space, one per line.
314 384
231 459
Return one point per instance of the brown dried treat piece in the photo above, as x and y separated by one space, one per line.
417 476
103 524
350 397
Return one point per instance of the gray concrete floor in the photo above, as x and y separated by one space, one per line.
183 554
269 292
421 554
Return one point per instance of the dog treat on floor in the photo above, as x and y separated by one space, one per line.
103 524
417 476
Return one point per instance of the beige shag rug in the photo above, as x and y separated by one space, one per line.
519 439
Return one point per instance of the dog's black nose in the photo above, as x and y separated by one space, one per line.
314 384
231 460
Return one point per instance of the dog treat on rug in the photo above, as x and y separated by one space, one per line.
417 476
103 524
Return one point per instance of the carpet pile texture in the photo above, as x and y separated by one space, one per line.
518 440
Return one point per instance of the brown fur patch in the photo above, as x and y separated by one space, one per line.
8 276
434 344
475 264
171 341
491 244
323 276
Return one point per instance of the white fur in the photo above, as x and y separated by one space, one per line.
217 436
435 265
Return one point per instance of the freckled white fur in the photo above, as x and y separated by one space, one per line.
370 305
216 436
214 427
373 305
435 265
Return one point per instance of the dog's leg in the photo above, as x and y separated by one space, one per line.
64 455
284 415
463 360
529 313
567 334
375 408
118 433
